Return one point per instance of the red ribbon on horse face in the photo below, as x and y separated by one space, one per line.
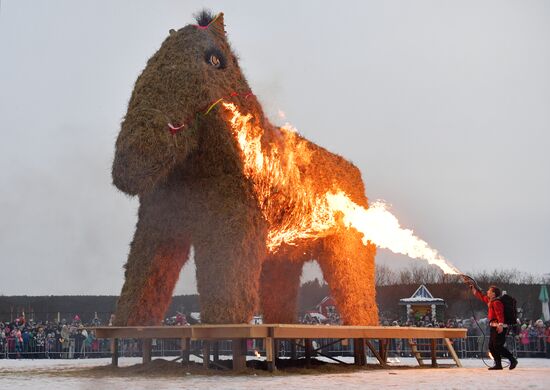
175 129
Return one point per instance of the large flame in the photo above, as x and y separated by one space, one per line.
293 212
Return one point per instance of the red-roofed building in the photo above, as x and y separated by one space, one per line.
327 307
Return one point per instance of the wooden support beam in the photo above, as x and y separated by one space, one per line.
280 331
239 354
276 348
114 352
298 331
376 354
293 354
434 352
205 353
383 348
216 352
452 352
308 351
185 350
146 347
333 358
360 358
270 357
416 352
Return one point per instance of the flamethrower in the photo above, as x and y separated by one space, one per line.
470 281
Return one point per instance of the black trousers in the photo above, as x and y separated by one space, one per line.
496 346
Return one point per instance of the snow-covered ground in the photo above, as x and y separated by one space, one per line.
45 374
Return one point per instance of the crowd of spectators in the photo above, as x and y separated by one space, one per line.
67 339
73 339
22 339
533 338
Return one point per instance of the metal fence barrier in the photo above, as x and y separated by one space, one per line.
470 347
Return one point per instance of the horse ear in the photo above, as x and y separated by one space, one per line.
172 31
217 26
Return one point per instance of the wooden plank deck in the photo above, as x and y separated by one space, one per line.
272 332
277 331
287 331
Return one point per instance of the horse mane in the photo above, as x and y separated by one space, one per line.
204 17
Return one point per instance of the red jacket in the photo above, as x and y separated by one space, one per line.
496 308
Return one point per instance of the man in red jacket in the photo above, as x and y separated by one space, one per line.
498 327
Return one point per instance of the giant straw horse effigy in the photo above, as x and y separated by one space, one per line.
212 172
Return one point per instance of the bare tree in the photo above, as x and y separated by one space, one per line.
430 274
385 276
503 276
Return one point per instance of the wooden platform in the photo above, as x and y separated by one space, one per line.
300 334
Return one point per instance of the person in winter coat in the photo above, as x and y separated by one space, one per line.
498 328
524 339
18 339
40 342
539 328
79 343
65 341
547 339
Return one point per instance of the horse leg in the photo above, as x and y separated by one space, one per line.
152 271
228 254
348 267
279 285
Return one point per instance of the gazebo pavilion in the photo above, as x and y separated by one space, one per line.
422 302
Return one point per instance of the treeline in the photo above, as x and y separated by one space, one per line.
419 274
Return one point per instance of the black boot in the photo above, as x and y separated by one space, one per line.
513 363
497 366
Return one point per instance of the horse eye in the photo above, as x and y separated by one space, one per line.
215 61
215 58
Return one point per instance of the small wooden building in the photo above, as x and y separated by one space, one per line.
422 305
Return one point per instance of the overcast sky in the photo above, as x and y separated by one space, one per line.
444 106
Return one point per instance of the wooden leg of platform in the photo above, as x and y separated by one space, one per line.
114 352
293 354
452 352
360 359
376 354
185 350
146 346
308 351
205 353
239 354
383 349
216 352
434 352
276 349
416 353
270 356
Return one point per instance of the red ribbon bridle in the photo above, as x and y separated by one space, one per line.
174 129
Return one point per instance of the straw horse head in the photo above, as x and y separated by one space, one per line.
179 152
